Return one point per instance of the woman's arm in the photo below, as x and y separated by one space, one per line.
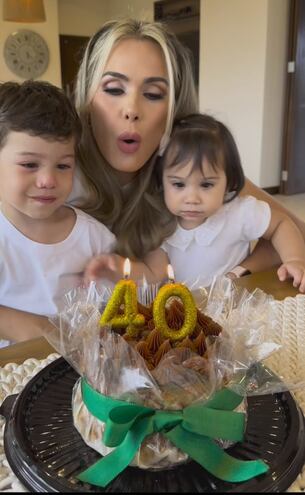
110 266
264 255
18 325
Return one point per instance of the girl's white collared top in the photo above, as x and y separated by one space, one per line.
218 244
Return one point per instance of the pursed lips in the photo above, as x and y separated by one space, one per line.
129 142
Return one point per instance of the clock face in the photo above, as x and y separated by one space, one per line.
26 54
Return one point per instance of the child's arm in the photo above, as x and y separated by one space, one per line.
289 243
264 256
110 266
18 325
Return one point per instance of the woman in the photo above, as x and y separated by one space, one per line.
133 81
135 78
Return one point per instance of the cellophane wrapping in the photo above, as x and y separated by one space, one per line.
114 368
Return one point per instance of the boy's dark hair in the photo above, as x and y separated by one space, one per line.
200 136
38 108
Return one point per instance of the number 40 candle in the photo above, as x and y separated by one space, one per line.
125 292
190 311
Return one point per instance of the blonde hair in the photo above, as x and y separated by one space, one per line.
137 216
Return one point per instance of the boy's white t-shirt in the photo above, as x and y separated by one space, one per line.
219 244
35 276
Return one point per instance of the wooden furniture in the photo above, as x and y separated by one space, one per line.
39 348
17 353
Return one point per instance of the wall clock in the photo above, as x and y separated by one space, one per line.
26 54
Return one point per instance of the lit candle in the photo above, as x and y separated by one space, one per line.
170 274
190 310
125 292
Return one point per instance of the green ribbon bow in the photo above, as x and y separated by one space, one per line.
191 430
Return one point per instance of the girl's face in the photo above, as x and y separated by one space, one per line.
193 195
129 110
36 176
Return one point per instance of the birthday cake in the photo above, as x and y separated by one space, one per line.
165 357
170 345
152 345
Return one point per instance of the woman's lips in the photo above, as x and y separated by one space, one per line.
129 142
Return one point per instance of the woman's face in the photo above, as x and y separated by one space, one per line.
129 110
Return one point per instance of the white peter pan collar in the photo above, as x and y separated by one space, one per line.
203 235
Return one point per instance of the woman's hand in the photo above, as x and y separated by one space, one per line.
109 266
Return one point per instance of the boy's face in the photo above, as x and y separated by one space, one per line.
193 195
36 175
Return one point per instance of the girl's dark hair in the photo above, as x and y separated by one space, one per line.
38 108
198 137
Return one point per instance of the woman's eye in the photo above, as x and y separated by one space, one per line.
64 166
29 165
114 91
178 185
154 96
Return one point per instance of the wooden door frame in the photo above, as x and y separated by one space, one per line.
74 57
290 86
290 151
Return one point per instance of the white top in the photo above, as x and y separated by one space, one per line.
219 244
35 276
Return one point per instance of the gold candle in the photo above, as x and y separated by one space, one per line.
125 292
190 310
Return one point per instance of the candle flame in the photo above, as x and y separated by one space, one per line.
127 268
170 273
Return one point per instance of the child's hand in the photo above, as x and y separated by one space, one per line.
293 269
101 266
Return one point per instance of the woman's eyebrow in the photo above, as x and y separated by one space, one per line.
147 80
156 79
116 74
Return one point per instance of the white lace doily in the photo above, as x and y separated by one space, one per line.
288 362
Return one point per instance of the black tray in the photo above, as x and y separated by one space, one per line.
46 452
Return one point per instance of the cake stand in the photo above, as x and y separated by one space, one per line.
46 452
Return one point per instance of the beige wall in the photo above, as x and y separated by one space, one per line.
79 17
275 87
143 9
48 29
82 18
242 77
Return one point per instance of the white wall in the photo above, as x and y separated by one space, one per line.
242 79
49 31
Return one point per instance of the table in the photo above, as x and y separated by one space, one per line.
38 348
36 353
